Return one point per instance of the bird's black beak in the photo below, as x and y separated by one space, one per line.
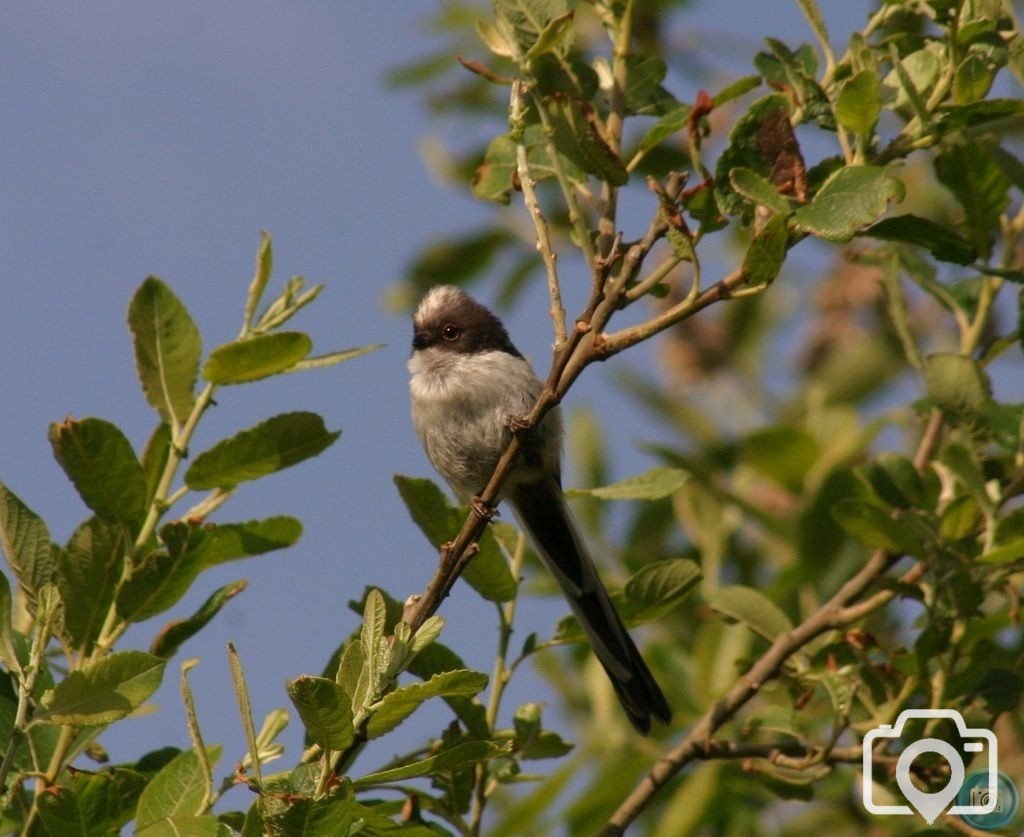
420 340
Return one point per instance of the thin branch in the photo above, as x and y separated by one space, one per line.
547 252
606 225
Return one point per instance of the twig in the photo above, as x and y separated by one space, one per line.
547 252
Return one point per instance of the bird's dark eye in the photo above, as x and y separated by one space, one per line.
451 332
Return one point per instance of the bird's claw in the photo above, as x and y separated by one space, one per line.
517 424
485 511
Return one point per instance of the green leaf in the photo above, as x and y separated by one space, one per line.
761 141
103 691
461 755
661 583
177 790
782 453
859 103
487 572
670 123
654 484
493 39
978 115
957 385
264 265
945 244
325 710
100 462
90 569
978 183
849 200
437 658
256 357
556 36
154 457
644 93
161 578
767 252
95 804
166 643
649 594
752 608
167 350
333 358
575 135
759 190
523 22
223 542
26 545
973 79
959 518
164 576
735 89
895 480
873 526
8 653
454 261
1005 553
398 705
270 446
206 825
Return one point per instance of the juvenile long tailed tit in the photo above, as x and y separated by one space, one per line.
468 381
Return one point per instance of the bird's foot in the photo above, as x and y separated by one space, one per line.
485 511
517 424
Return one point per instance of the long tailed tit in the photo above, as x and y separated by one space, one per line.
468 381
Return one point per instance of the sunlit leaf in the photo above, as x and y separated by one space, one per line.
104 690
167 349
272 445
99 460
752 608
256 357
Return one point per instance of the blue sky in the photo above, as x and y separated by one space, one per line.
143 138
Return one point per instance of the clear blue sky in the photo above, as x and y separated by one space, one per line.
145 138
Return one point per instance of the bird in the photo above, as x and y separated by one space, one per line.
468 386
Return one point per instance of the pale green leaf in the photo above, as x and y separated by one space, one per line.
325 710
177 790
272 445
851 199
958 385
26 544
874 526
759 190
459 756
859 103
753 609
100 462
166 643
767 252
264 266
398 705
660 481
333 358
103 691
256 357
167 350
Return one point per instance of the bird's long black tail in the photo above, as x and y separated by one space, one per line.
542 512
